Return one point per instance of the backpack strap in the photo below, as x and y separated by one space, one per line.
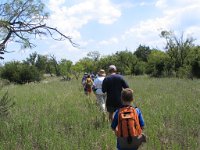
129 139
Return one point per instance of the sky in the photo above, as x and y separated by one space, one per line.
108 26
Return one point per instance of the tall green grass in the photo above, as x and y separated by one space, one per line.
57 115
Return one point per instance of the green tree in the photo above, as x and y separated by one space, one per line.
125 62
105 61
156 63
88 64
140 68
22 20
65 68
50 69
55 65
142 52
177 47
20 73
94 55
41 63
28 74
193 60
77 69
31 60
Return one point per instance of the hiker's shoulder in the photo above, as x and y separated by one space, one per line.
134 107
116 112
138 110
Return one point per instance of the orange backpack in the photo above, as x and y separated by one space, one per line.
128 123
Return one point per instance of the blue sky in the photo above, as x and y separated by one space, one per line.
108 26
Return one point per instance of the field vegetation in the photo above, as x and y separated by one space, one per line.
55 114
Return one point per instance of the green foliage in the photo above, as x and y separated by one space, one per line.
28 74
6 103
156 63
125 62
105 61
41 63
88 64
94 55
77 69
184 72
142 52
31 59
193 60
11 71
140 68
19 72
65 68
177 47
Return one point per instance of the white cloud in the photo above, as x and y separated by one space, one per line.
147 32
71 19
110 41
108 13
145 3
174 18
161 4
194 32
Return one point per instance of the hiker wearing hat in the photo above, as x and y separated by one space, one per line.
101 97
112 86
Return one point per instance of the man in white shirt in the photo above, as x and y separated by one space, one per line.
101 97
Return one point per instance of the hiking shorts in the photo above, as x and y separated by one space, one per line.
111 109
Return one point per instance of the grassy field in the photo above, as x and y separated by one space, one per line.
56 115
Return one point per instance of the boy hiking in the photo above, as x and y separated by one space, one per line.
128 123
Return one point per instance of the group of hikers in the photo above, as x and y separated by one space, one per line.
114 96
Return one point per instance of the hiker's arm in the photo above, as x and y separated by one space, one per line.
140 117
114 121
124 83
104 88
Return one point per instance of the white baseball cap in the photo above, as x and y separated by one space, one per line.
112 67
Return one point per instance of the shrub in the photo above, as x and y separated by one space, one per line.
184 72
20 73
29 74
139 68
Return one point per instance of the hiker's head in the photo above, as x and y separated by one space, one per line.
102 73
112 68
88 76
127 95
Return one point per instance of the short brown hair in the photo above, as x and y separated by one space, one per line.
127 95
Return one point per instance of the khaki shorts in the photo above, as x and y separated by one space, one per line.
111 109
135 142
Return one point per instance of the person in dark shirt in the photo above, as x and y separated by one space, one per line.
113 85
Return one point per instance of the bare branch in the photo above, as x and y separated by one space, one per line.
22 19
